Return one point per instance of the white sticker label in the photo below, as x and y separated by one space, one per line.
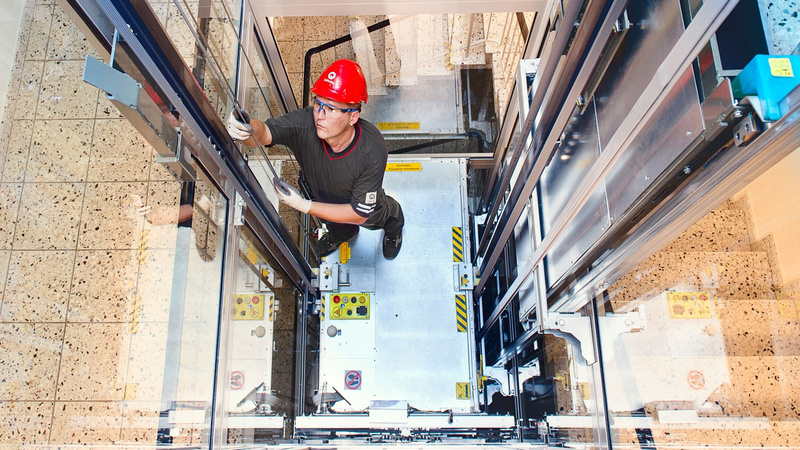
372 197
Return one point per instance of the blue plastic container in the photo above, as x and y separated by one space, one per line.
770 78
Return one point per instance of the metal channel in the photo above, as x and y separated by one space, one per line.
729 173
589 32
144 36
709 18
545 72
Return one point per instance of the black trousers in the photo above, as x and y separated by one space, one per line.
387 217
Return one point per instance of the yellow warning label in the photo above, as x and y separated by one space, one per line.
252 256
480 373
780 67
690 305
462 391
403 167
584 388
344 253
461 313
458 245
248 307
130 392
398 125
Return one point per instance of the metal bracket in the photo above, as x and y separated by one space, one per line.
577 330
238 212
329 277
140 109
746 130
500 375
503 376
462 277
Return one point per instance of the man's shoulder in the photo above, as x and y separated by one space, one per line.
371 132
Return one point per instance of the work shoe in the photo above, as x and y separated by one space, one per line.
391 245
325 246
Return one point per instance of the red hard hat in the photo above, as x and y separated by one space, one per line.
342 81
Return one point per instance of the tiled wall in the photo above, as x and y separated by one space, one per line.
82 312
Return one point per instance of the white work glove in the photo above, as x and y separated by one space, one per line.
291 196
239 130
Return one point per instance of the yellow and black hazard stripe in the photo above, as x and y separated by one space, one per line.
141 252
322 309
458 245
461 313
135 314
271 307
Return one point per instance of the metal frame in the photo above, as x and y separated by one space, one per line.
147 52
492 242
724 176
265 39
709 18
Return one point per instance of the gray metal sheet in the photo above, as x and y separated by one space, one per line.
579 149
432 102
410 349
672 128
655 27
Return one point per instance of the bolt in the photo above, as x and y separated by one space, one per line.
687 170
737 113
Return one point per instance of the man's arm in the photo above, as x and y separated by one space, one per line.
339 213
261 134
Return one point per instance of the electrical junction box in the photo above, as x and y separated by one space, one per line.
769 78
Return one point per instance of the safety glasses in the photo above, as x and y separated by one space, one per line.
329 110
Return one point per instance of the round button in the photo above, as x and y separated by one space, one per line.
335 299
349 312
255 300
362 299
239 300
353 300
243 313
247 300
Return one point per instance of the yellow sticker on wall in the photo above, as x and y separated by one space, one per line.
403 167
398 125
780 67
462 391
690 305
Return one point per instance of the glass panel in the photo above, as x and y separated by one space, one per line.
436 83
714 361
260 349
111 267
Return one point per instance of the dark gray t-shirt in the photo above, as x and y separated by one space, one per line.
353 176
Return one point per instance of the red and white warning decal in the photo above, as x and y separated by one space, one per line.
696 380
352 380
237 380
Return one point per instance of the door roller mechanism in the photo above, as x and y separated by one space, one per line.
348 306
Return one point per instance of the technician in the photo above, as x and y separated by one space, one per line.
343 158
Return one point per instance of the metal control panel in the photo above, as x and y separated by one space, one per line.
349 306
